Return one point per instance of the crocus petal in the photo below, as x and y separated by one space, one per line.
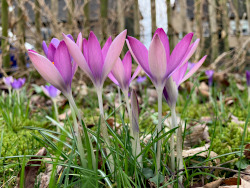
52 91
106 46
137 71
45 91
179 74
178 53
45 48
194 69
85 49
119 73
157 60
47 70
113 54
164 39
95 59
71 37
248 78
63 63
170 92
135 112
51 52
191 49
111 77
139 53
127 64
55 41
78 57
79 44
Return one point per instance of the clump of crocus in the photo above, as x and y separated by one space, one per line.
18 83
248 83
51 92
171 95
97 63
121 76
159 65
135 126
141 79
8 80
58 69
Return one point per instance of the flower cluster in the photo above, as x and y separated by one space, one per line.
166 70
16 84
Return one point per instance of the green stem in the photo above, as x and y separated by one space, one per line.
159 128
56 113
75 110
248 94
179 142
104 130
172 149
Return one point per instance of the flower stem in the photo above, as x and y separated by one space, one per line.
120 98
172 149
248 94
56 113
75 111
159 128
104 130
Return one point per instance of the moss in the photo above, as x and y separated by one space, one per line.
229 140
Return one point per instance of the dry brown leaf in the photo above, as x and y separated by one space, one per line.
214 184
30 172
230 181
247 151
240 87
200 151
204 89
198 133
230 100
64 115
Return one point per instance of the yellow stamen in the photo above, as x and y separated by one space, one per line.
53 63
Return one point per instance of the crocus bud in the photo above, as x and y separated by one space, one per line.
210 74
17 84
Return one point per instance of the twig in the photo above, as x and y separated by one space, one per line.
173 175
211 167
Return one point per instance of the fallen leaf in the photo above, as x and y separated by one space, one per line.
247 151
31 169
240 87
230 181
204 89
214 184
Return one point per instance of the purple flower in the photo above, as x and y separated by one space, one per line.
190 65
248 78
8 80
51 91
57 67
17 84
141 79
210 74
157 61
171 88
95 61
121 72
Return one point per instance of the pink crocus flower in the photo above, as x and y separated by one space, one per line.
157 62
95 61
178 77
57 67
121 72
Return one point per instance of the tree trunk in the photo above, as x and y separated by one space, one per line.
199 30
70 19
104 18
248 14
38 26
4 41
136 20
120 15
170 32
234 6
225 24
153 16
186 27
86 16
213 29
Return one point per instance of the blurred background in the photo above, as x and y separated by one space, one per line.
222 25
